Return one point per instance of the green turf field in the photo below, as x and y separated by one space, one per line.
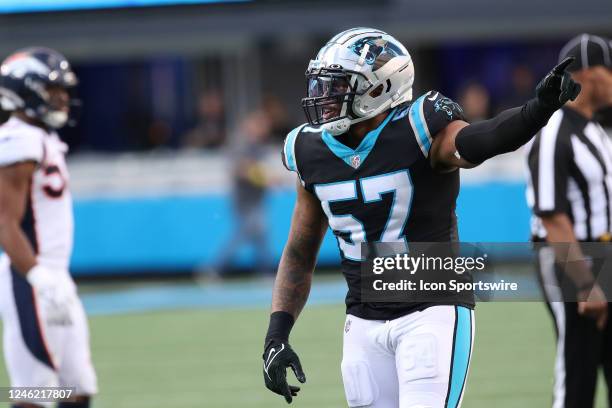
211 358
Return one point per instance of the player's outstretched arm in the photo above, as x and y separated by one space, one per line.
291 289
14 188
467 145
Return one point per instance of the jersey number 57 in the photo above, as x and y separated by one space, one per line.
372 188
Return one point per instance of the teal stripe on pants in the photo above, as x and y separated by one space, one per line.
461 355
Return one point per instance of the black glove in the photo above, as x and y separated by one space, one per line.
279 355
514 127
557 87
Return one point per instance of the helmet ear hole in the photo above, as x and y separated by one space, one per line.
377 91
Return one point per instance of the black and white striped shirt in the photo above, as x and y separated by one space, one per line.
570 171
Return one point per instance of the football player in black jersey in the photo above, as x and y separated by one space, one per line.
376 166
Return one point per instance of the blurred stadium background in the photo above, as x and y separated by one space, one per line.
185 106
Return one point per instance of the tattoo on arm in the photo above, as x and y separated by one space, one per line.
294 276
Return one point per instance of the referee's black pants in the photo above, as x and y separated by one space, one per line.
581 347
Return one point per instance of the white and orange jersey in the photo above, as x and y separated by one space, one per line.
48 220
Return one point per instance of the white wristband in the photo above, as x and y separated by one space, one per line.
37 274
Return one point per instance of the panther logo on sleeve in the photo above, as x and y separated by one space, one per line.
448 106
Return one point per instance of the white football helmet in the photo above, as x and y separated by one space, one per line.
358 74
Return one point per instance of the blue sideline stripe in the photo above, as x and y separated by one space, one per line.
24 6
178 233
461 356
212 296
252 294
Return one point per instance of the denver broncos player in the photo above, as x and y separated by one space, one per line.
377 166
46 339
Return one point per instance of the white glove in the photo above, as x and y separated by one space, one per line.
55 293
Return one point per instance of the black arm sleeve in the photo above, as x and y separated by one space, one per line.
504 133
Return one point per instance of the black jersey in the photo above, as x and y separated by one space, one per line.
385 190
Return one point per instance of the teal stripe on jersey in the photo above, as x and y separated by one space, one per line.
365 147
419 124
461 356
290 148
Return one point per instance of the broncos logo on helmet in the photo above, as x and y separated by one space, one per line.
25 77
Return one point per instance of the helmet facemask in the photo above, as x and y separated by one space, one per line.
52 112
329 96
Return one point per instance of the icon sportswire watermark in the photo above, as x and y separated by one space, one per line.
468 272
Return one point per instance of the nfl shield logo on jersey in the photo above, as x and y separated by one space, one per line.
355 161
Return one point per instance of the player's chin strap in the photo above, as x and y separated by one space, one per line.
337 127
55 119
340 126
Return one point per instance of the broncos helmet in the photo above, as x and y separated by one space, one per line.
357 75
25 77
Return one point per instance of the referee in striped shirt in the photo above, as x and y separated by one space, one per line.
570 193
